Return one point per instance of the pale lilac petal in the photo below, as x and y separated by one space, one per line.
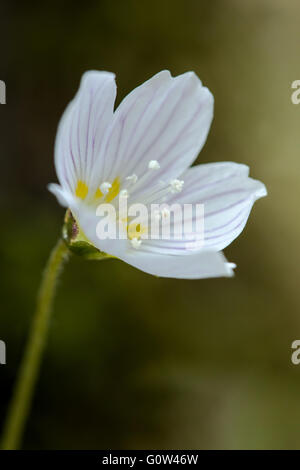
167 120
227 194
82 127
64 197
199 265
204 264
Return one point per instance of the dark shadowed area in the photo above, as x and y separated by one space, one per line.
135 361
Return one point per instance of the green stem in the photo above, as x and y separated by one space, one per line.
22 396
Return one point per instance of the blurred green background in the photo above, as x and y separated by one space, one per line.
135 361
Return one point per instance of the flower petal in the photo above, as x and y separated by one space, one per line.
227 194
199 265
64 198
204 264
165 120
82 127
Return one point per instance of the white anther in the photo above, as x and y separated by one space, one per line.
105 187
124 193
136 243
153 165
176 186
132 178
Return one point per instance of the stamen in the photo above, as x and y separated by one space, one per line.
176 185
124 193
114 190
105 187
153 165
132 178
136 243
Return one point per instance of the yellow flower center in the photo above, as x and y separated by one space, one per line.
114 190
82 190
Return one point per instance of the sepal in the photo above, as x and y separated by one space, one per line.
77 242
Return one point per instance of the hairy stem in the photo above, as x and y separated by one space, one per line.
29 369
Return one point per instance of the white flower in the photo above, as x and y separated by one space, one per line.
144 150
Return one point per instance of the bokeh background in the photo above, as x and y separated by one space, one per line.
134 361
